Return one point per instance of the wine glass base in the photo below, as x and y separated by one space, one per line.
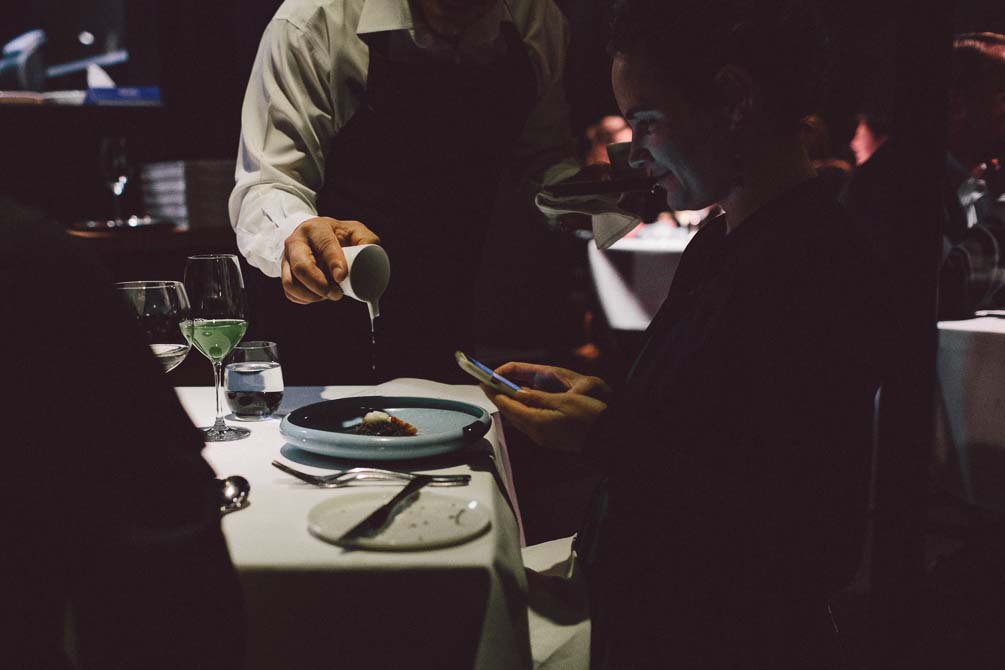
227 434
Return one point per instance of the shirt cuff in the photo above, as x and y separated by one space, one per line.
265 249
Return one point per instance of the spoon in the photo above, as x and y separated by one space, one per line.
234 492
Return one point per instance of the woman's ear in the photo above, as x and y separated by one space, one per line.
739 93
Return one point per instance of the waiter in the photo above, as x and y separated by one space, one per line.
391 122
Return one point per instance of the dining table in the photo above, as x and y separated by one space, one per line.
970 410
633 276
312 604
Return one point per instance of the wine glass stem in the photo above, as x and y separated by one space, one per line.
217 382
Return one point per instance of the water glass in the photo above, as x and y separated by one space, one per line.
253 380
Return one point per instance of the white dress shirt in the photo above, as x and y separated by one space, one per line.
298 100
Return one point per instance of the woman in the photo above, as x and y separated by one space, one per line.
737 451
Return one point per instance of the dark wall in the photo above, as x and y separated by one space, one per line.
207 49
588 73
980 16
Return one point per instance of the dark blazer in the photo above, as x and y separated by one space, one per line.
739 450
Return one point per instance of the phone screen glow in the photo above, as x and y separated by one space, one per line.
494 375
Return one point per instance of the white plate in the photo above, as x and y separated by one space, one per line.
431 521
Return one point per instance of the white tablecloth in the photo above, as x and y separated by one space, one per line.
970 435
313 605
632 278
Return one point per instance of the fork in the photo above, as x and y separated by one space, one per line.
344 477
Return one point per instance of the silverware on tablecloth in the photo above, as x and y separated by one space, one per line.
345 477
381 517
234 492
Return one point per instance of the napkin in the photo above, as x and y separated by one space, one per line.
612 215
607 219
557 613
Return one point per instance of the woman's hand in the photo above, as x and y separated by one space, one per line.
558 410
555 380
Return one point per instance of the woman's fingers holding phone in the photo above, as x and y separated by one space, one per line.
555 420
554 379
595 387
541 377
526 374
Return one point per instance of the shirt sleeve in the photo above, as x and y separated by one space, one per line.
288 120
546 148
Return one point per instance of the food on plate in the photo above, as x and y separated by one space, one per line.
384 425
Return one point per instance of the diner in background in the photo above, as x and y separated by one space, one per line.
831 169
391 121
114 556
737 451
871 132
976 143
976 136
976 121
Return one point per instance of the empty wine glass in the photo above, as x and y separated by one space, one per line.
216 292
159 308
116 170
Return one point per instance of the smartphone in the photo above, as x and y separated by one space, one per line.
485 375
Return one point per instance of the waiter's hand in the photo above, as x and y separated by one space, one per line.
313 262
559 418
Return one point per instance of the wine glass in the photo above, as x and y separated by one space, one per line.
116 170
216 291
159 307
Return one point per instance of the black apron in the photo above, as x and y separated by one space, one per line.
419 164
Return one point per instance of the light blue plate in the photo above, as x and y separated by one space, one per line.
442 426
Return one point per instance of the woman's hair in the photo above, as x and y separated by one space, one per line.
879 124
978 58
816 137
781 43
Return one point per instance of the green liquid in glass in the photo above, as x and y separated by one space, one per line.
214 338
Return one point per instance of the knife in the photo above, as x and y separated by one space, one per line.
380 518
